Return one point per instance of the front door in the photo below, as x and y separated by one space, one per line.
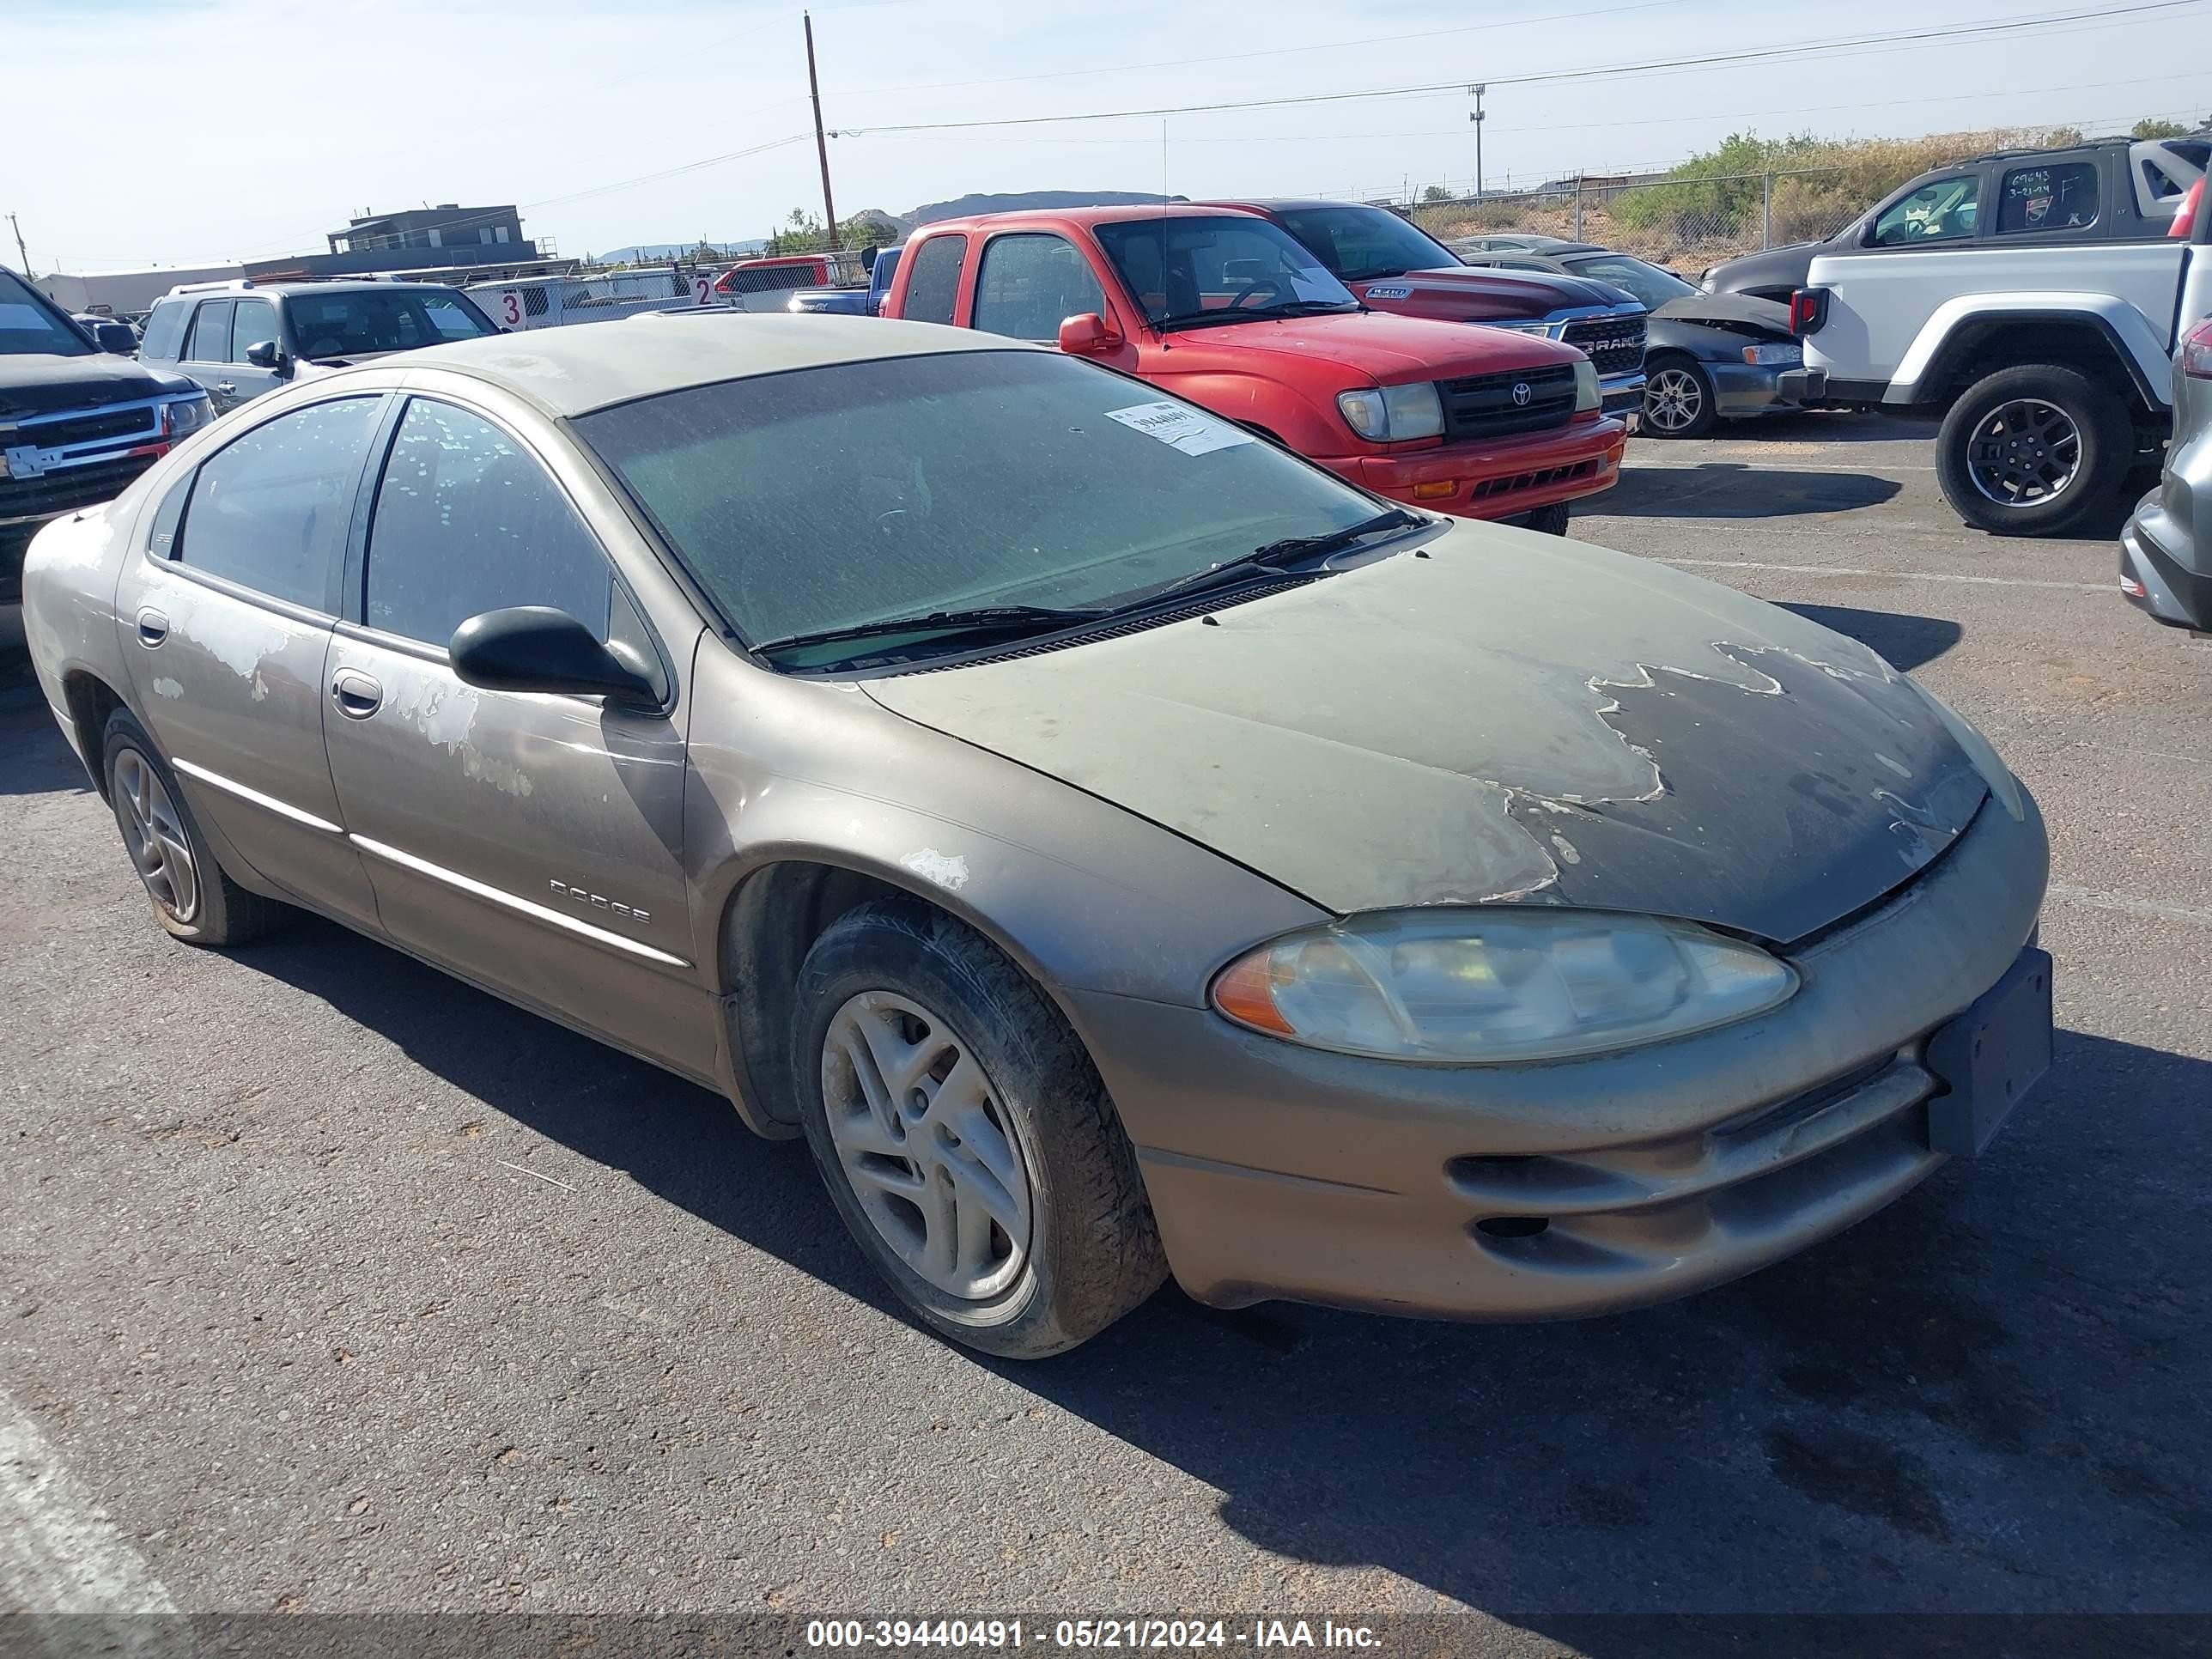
252 323
226 615
531 842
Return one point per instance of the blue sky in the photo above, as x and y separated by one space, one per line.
176 131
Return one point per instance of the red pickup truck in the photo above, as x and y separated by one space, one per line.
1225 309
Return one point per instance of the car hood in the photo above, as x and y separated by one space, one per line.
1388 348
1513 718
1737 311
39 383
1463 293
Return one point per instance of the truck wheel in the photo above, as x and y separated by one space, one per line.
966 1139
1545 520
1678 400
2032 450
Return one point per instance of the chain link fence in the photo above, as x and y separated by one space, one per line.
1688 223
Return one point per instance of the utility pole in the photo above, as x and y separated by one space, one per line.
1477 118
22 253
821 143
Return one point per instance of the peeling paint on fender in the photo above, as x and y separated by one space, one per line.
949 872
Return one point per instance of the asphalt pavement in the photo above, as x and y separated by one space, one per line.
330 1286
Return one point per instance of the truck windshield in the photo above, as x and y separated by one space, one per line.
1360 244
829 499
27 326
356 322
1187 273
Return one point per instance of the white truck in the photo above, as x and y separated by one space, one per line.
2032 296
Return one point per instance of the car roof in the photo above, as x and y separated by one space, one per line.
1293 205
1083 218
590 366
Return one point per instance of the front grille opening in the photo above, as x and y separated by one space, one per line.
1513 1226
1485 488
1504 404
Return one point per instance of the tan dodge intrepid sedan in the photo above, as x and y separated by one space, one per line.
1120 847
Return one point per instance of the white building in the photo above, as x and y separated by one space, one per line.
126 293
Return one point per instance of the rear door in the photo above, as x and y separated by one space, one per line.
533 843
207 353
226 615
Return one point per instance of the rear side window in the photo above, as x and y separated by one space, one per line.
2062 196
165 330
255 322
933 287
269 510
468 521
1030 284
210 341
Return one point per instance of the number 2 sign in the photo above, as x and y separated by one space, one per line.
702 289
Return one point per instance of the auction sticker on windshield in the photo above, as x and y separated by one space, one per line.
1181 428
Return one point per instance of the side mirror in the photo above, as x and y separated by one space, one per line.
264 354
1089 336
115 337
535 647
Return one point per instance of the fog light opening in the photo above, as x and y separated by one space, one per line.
1513 1226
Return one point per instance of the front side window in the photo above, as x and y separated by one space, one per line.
2052 198
253 324
827 498
165 330
269 510
359 322
933 287
1362 244
28 327
1944 210
210 341
468 521
1030 284
1188 272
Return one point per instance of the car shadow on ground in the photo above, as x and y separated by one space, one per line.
1826 426
39 761
1735 490
1985 1397
1901 639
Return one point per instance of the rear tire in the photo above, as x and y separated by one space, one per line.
2034 450
193 899
1545 520
943 1097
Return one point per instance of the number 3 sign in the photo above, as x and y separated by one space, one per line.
507 303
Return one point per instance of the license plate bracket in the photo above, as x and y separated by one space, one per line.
1991 1056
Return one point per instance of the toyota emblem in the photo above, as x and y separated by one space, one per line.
1520 394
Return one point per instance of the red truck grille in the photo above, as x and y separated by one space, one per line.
1484 490
1500 405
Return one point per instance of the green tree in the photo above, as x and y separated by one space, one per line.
1436 193
2152 127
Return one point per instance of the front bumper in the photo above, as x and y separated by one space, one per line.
1501 478
1278 1171
1806 387
1621 394
1741 389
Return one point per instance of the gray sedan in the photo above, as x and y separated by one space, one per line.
1118 846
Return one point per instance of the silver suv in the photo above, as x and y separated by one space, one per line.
241 339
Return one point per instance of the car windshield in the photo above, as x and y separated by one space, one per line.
27 326
354 322
1651 287
1190 272
1359 244
832 498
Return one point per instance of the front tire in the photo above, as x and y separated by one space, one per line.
2032 451
1547 520
1678 400
193 899
966 1140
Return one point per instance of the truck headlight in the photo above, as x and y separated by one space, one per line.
180 416
1388 414
1586 395
1491 985
1762 356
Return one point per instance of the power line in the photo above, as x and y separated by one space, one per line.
1545 76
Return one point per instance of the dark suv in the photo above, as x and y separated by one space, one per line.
239 339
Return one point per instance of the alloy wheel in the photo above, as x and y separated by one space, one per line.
926 1143
156 837
1673 400
2024 453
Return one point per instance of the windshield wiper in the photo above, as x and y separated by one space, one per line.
981 619
1271 560
1257 313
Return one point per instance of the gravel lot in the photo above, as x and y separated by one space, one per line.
334 1286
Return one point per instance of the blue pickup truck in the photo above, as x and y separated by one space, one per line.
880 264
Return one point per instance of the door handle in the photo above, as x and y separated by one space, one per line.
225 388
153 627
356 694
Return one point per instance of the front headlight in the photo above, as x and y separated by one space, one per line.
1995 773
1760 357
1549 330
1388 414
1485 986
1586 395
180 416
